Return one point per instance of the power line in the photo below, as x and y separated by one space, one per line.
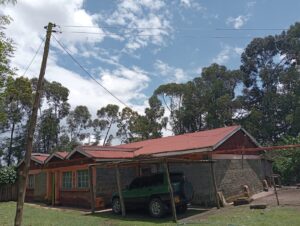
251 29
71 56
38 49
150 35
175 28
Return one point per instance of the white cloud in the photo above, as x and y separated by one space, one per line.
227 53
30 16
237 22
146 22
251 4
173 74
191 4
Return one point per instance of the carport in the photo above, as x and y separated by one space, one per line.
164 162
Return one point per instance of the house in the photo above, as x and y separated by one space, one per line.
63 178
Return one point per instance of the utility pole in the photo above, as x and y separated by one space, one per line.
23 171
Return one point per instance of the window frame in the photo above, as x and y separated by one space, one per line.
30 183
64 183
82 181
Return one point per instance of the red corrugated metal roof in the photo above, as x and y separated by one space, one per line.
62 154
109 154
39 157
188 141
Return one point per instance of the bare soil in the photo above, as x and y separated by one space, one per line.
288 196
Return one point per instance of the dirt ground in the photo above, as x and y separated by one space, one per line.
288 196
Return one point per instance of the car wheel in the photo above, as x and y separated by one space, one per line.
156 208
116 206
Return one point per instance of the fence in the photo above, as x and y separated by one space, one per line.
8 192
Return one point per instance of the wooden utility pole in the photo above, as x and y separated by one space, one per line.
119 184
23 172
167 172
213 176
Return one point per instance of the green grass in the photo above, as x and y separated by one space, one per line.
232 216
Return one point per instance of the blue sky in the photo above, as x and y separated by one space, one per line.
139 45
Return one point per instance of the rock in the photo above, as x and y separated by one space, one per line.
258 206
242 201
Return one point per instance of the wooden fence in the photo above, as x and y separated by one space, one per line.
8 192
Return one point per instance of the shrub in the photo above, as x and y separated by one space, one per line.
8 175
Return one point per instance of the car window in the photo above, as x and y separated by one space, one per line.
157 179
136 183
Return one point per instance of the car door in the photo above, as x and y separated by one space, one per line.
136 193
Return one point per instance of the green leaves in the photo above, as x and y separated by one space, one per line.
8 175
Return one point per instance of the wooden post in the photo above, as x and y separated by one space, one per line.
22 181
120 190
170 191
214 184
92 189
275 189
53 188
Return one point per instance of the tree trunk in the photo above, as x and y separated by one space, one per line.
108 129
10 145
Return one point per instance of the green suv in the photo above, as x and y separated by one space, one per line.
152 192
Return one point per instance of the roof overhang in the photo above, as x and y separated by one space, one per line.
78 150
55 154
182 152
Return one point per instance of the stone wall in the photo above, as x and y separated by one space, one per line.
106 183
231 175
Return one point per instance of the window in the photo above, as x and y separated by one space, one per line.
82 179
31 181
67 180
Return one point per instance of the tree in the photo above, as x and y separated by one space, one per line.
6 52
218 85
172 95
272 80
48 129
150 125
108 117
78 121
287 162
49 124
98 127
126 121
18 102
205 102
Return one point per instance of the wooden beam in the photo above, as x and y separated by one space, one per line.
170 191
92 189
249 150
152 160
120 190
214 184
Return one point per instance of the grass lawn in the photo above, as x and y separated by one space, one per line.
231 216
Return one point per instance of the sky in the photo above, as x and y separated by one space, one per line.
132 47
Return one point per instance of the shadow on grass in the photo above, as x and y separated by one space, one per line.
143 215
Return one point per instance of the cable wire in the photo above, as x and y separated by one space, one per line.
76 61
37 51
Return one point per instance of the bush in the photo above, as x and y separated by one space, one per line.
287 162
8 175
